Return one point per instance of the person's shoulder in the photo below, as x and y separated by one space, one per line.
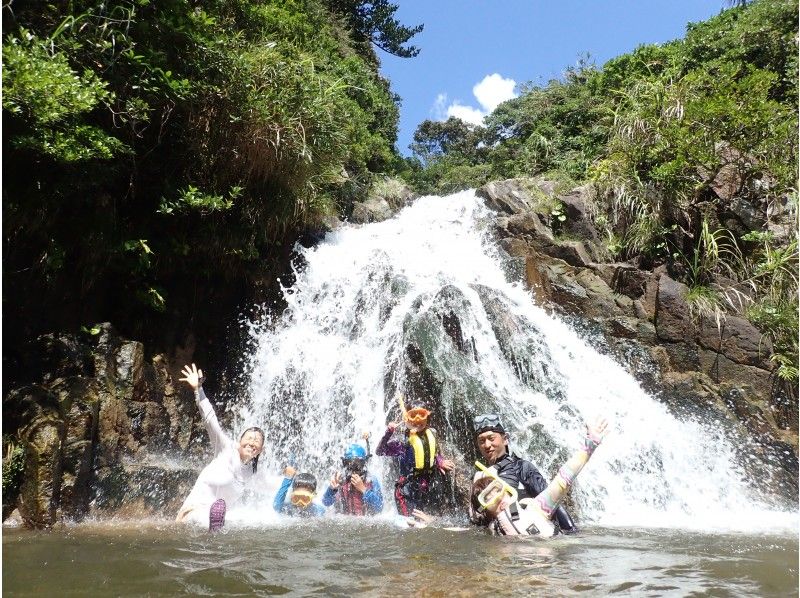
522 464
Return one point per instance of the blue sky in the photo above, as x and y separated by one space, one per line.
475 52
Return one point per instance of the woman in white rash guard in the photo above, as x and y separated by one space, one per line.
532 516
222 481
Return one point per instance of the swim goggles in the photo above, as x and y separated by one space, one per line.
417 416
486 422
494 492
301 498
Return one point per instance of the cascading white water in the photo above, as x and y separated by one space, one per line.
318 373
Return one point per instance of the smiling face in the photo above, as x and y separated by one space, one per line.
250 445
493 445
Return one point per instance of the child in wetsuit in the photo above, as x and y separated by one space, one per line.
304 487
419 460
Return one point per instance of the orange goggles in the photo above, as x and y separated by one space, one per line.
301 498
417 416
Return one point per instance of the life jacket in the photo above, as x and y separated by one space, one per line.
524 518
424 450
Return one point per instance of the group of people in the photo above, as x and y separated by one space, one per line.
509 495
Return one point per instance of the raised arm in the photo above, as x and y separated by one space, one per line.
388 447
280 496
193 377
549 499
535 484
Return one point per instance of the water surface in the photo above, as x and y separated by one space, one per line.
344 557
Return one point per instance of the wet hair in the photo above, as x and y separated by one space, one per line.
305 480
261 432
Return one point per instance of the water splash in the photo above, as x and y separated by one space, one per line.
421 303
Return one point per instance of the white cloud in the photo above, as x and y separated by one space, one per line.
490 92
439 109
493 91
466 113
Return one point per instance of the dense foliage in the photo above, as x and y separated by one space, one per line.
153 148
673 138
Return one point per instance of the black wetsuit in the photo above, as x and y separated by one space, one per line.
515 471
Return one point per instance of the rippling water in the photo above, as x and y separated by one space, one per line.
344 556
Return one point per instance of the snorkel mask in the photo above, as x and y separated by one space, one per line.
303 489
301 497
418 416
496 491
355 465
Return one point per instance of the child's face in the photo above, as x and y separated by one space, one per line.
301 497
417 419
418 427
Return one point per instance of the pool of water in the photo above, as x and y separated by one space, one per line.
348 556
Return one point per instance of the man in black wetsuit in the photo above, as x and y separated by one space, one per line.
518 473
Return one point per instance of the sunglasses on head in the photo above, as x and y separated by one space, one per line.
301 497
417 416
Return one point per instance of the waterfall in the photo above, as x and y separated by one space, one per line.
422 304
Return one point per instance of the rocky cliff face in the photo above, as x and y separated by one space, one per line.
97 429
642 318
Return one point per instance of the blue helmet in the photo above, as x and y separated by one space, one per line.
355 451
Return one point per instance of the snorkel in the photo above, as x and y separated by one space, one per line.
491 496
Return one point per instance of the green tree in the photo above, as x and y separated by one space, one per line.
374 22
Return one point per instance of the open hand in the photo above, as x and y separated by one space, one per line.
192 376
336 480
447 465
420 519
597 430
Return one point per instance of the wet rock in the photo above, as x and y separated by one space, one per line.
103 404
579 223
572 252
528 224
144 489
41 436
511 196
737 339
721 369
386 198
375 210
523 346
672 320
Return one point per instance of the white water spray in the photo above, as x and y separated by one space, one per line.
319 373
